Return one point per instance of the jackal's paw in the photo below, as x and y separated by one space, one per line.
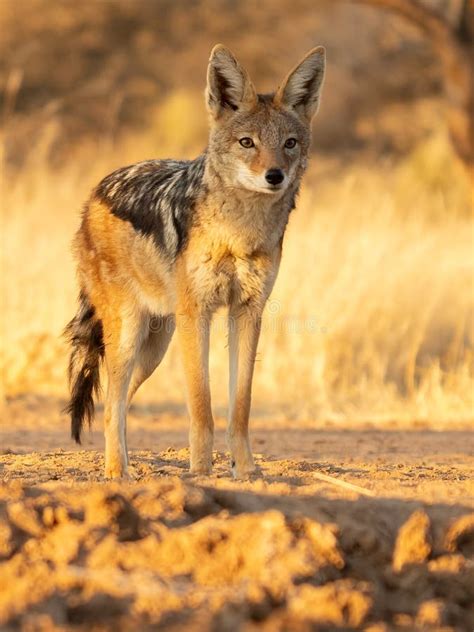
120 472
200 469
245 472
130 474
200 462
116 475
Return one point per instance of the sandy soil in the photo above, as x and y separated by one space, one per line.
362 528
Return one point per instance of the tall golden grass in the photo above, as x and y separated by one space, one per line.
371 316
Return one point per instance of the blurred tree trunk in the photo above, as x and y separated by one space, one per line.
453 44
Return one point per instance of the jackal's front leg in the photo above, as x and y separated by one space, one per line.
193 333
244 331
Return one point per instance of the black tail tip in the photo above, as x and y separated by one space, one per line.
76 435
76 421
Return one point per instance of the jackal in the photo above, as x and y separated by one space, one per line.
164 243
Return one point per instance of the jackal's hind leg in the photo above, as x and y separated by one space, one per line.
151 352
122 337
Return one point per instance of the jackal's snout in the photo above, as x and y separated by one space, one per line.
274 176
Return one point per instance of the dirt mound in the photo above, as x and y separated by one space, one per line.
185 556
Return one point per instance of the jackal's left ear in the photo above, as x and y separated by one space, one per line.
301 89
228 84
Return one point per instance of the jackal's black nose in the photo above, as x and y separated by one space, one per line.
274 176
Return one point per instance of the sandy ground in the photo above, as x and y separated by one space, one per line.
361 528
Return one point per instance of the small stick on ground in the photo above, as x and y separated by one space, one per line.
336 481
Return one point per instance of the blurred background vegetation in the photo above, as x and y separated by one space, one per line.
383 228
98 69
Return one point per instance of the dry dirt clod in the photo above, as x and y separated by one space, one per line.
377 627
447 564
413 543
460 536
432 612
113 509
25 518
6 540
323 539
340 603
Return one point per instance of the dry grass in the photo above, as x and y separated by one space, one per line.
371 315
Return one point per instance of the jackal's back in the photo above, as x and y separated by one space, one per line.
156 197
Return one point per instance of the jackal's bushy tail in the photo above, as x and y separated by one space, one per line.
85 335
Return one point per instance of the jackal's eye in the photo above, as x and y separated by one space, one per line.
290 143
247 142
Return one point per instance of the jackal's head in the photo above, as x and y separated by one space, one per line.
260 142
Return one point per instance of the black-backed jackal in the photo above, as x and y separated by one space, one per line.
168 242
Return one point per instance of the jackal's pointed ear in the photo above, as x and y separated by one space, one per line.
301 89
228 84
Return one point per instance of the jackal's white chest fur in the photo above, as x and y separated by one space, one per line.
221 278
223 270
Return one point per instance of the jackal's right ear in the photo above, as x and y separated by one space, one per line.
228 85
301 89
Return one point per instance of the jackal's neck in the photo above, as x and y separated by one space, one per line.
255 220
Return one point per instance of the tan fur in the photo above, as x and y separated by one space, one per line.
231 259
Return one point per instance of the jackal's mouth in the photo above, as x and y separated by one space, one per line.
274 188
